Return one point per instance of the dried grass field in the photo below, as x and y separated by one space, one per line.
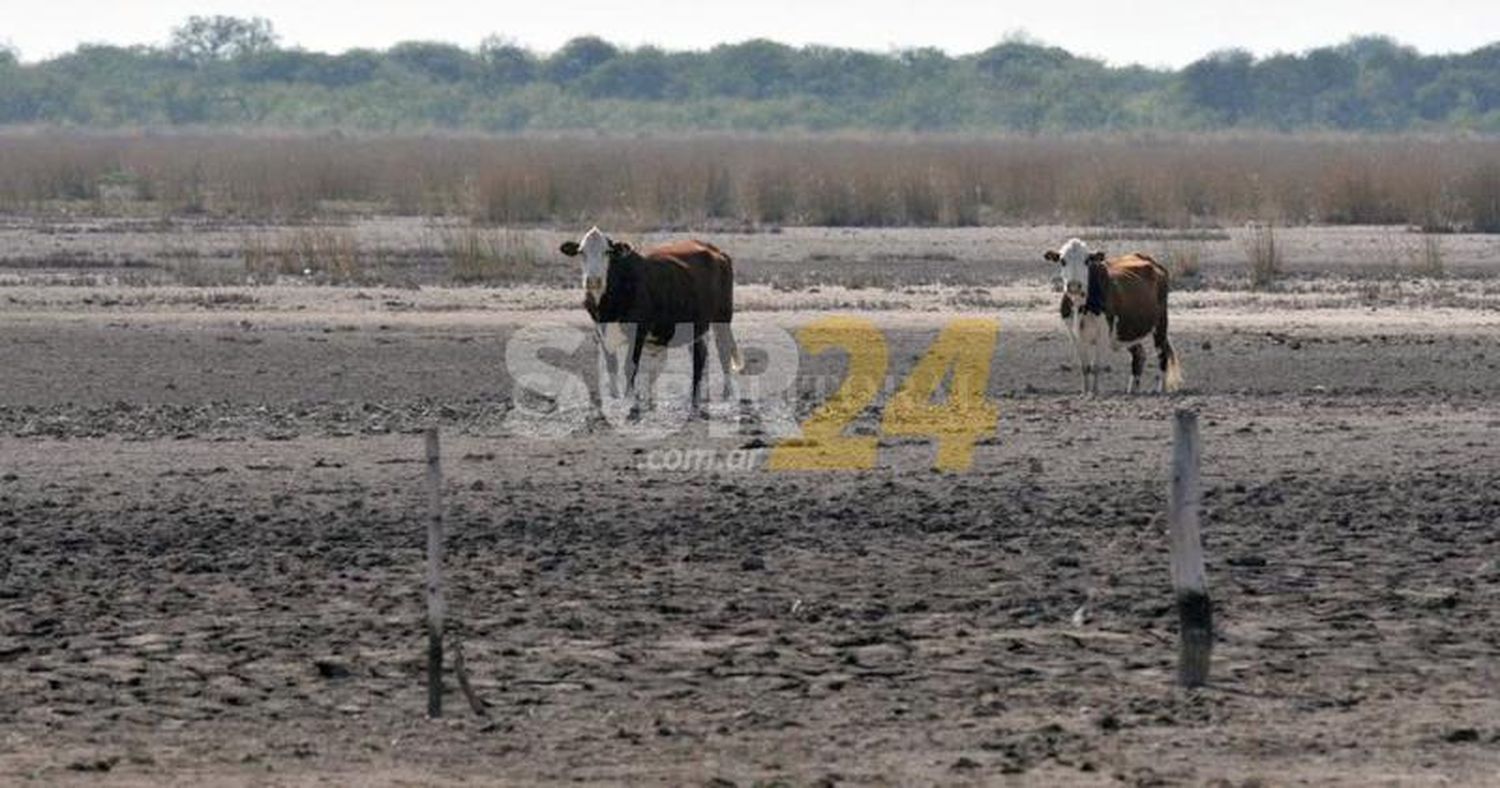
212 519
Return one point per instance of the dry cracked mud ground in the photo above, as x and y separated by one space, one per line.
212 519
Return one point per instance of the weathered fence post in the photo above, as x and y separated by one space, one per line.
435 608
1189 580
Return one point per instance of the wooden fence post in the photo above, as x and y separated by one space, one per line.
1189 579
435 606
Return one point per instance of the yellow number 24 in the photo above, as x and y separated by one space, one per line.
964 346
824 446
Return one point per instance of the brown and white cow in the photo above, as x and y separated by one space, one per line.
640 301
1123 301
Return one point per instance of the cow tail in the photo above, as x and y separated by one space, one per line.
1173 380
1171 364
729 350
736 361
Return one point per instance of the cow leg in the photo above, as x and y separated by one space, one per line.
601 338
656 359
657 338
1096 352
611 368
728 357
1094 371
1088 355
1137 364
700 364
633 365
1081 359
1086 363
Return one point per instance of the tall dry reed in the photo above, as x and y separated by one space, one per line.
1262 254
1176 181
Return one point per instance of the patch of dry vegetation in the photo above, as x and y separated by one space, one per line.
729 181
479 256
1262 254
1426 256
321 253
1184 259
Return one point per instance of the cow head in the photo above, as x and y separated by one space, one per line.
595 248
1073 260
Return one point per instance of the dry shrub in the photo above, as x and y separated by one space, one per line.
1480 192
1184 259
1262 254
328 254
262 262
1426 256
772 196
1159 181
322 253
477 256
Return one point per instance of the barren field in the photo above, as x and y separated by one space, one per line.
212 515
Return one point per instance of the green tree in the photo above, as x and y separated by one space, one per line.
845 74
578 57
1221 85
1018 64
17 102
435 61
924 65
280 65
207 39
755 69
355 67
504 64
224 70
642 75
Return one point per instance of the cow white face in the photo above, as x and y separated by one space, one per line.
593 247
1073 263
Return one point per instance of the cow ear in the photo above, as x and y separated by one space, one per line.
620 248
569 248
1096 257
1051 256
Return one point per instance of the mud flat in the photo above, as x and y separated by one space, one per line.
212 516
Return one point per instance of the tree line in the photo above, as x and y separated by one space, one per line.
230 72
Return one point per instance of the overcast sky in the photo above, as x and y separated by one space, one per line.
1152 32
